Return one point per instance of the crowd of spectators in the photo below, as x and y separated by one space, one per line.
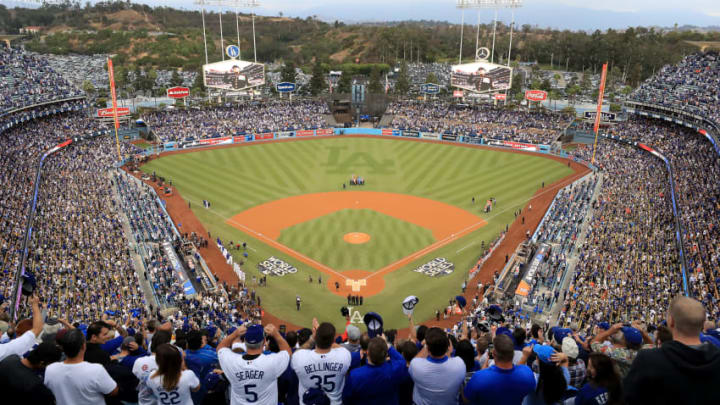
691 86
696 168
27 80
254 117
478 121
628 266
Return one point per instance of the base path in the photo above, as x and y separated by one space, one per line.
267 221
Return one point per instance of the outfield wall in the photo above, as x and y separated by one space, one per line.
323 132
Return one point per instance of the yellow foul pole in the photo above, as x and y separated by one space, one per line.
601 93
114 106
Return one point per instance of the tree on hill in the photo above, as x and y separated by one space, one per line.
176 80
402 85
345 83
317 81
198 86
375 87
431 78
287 73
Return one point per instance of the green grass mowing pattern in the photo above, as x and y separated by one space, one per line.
235 179
391 239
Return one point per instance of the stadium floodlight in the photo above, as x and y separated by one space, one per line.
236 4
486 4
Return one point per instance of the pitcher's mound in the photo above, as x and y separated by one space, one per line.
356 238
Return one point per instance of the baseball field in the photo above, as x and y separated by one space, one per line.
286 200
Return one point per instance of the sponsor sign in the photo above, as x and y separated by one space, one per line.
327 131
535 95
305 132
108 112
520 145
286 87
429 135
481 77
178 92
438 267
285 134
604 116
268 135
430 88
276 267
233 75
458 93
500 96
390 132
215 141
243 138
449 137
411 134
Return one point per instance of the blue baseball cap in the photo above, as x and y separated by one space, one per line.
604 325
505 331
461 301
254 335
544 352
632 335
315 396
374 323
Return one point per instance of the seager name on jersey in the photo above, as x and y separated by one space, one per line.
317 367
249 375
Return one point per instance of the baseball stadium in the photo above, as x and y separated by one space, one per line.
231 204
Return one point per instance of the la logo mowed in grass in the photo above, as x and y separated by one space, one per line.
340 161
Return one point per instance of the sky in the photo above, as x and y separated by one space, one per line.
563 14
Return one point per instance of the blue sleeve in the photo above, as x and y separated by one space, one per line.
112 345
395 355
348 389
566 374
354 360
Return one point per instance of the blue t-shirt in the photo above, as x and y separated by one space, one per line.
379 385
592 395
495 385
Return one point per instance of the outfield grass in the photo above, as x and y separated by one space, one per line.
235 179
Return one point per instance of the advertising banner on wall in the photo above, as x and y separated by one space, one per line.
449 137
285 134
326 131
216 141
305 133
411 134
267 135
481 77
500 96
233 75
430 135
390 132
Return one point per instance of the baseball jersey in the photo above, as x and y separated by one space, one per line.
179 395
324 371
253 379
143 368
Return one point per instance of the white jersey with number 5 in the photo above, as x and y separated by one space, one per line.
253 379
323 371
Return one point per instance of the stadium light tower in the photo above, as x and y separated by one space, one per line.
236 4
487 4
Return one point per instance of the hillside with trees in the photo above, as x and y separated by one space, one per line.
167 38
